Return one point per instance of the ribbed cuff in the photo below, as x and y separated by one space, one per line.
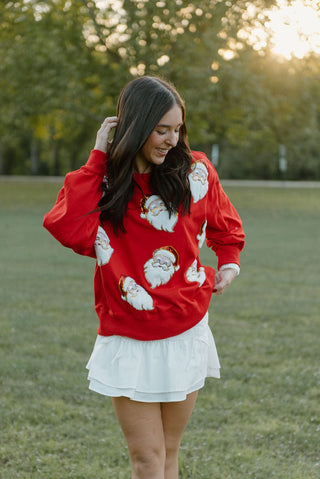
231 266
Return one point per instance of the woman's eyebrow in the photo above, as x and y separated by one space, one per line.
168 126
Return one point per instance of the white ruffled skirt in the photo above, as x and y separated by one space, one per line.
162 370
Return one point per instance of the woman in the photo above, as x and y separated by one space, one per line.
143 205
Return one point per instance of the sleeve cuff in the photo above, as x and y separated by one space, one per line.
231 266
97 162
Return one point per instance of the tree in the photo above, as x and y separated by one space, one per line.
51 92
69 60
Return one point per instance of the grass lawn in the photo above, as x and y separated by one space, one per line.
260 420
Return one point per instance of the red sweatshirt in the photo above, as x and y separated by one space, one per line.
149 283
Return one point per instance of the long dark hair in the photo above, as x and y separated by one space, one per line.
142 103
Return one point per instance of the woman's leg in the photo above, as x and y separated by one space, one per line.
175 416
142 427
153 432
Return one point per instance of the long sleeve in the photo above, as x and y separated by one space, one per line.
225 235
69 221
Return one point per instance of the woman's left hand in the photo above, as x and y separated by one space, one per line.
103 135
223 279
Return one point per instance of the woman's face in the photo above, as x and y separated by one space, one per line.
164 137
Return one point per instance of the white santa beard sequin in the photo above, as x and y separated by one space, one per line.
102 247
198 190
136 295
198 179
155 275
196 275
202 235
158 216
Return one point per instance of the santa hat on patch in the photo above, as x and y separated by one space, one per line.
145 202
123 284
171 253
201 164
203 226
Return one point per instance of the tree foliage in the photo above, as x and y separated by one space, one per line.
64 63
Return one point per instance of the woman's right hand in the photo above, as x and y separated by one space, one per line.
103 135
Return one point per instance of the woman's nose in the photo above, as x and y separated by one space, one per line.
172 138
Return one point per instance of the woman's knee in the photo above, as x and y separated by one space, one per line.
148 463
172 452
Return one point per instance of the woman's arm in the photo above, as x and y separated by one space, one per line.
224 234
71 220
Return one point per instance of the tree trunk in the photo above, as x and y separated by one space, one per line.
56 158
1 161
34 157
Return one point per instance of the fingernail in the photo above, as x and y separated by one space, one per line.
214 290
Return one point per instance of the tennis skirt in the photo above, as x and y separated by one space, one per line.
162 370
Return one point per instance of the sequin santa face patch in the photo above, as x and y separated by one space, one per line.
134 294
198 179
102 247
202 234
161 267
196 275
155 212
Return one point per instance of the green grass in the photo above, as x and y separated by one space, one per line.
261 420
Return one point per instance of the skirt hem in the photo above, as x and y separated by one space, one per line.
156 371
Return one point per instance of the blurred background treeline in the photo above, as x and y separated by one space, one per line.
254 110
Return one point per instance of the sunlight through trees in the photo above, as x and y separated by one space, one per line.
248 71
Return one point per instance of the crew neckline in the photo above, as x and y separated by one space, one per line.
136 173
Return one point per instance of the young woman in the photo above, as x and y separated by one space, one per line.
143 205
